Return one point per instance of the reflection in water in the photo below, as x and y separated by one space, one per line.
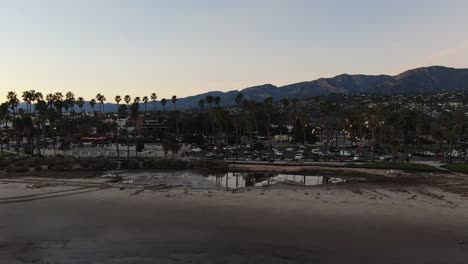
236 180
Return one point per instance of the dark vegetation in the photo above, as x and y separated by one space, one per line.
393 165
67 164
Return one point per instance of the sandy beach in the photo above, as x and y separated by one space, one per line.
75 223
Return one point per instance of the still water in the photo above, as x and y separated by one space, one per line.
231 180
236 180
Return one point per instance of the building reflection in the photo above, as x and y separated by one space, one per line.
235 180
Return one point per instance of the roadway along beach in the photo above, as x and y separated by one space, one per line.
325 224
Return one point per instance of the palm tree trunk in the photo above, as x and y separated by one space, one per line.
117 146
128 148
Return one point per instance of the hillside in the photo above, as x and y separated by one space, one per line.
416 81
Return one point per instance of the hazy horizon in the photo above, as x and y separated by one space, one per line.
185 48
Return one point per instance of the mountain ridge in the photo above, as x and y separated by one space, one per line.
414 81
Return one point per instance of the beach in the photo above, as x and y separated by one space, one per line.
355 223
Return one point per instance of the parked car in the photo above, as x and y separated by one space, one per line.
196 150
210 156
359 158
299 156
253 156
278 153
346 153
386 158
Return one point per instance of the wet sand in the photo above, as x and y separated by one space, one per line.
327 224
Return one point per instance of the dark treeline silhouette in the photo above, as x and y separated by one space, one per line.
395 122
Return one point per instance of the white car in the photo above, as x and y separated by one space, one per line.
278 153
299 156
315 151
289 149
358 158
196 150
345 153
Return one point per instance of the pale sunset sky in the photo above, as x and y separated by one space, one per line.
183 47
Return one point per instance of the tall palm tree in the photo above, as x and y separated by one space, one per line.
238 99
70 100
58 102
92 103
127 99
137 100
201 103
145 101
174 101
50 100
36 98
27 98
153 98
209 100
101 98
164 102
117 99
13 101
4 118
115 126
268 104
217 100
80 103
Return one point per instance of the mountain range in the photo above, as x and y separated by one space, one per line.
416 81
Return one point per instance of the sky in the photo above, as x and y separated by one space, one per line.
187 47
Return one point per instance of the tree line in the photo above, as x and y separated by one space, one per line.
394 126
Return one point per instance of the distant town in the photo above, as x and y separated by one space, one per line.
335 127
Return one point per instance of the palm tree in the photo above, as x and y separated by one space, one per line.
217 101
101 98
136 102
164 102
174 101
70 100
201 103
127 99
153 98
4 117
50 100
37 97
58 102
92 103
27 98
80 103
239 98
13 101
209 100
117 99
268 104
145 101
